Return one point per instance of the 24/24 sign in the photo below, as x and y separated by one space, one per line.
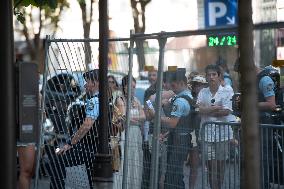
221 40
220 12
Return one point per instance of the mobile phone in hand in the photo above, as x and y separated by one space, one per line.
57 150
149 104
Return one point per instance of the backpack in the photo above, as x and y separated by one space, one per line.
192 120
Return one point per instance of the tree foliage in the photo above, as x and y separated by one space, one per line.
36 3
138 12
86 15
36 17
87 10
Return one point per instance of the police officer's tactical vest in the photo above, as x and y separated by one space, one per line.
190 122
275 76
77 114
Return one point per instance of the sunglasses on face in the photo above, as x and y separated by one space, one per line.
111 82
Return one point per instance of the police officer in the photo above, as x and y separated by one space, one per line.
179 137
82 146
92 109
266 95
266 105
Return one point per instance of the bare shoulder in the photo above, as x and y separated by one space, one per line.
167 94
119 100
136 101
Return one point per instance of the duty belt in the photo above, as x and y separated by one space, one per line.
61 136
183 134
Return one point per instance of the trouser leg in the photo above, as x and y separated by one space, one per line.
146 166
55 168
177 154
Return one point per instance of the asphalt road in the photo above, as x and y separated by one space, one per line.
77 179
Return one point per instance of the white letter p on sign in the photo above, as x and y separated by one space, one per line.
216 10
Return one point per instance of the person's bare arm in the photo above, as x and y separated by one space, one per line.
221 112
170 121
119 103
84 128
141 117
165 95
209 110
269 104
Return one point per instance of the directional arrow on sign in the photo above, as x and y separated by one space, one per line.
231 20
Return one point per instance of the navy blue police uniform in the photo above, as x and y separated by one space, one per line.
178 142
84 151
266 89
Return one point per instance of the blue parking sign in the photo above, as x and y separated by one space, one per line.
220 12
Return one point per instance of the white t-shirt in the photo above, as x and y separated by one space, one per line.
216 133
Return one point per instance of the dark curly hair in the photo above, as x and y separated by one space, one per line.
213 67
124 82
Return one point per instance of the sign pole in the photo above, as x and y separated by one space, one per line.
8 98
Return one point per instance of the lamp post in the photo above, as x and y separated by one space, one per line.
103 166
7 96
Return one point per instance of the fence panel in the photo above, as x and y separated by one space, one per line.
220 144
227 172
272 156
64 100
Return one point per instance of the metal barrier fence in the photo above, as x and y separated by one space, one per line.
221 150
221 155
272 154
137 163
65 101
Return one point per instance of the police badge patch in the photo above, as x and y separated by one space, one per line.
270 87
91 105
174 108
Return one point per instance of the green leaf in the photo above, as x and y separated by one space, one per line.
25 3
20 16
21 19
81 2
38 3
16 2
52 3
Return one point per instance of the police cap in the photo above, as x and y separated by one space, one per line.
167 76
178 75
